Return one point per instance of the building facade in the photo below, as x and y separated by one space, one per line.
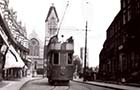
120 56
51 24
13 44
35 54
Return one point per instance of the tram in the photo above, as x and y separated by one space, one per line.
60 67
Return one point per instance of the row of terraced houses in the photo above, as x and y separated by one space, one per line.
120 55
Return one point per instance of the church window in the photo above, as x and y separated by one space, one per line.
34 47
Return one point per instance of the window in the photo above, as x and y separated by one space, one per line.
129 13
36 51
138 8
124 17
31 50
33 42
35 67
128 1
124 3
56 58
34 47
70 58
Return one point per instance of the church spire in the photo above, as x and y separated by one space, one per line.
50 11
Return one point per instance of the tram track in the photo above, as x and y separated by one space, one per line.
83 85
60 88
42 84
53 88
68 88
88 88
71 87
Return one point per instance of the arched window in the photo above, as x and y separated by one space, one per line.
34 47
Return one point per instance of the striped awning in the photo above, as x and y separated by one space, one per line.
13 60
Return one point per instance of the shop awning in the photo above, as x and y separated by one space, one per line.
13 60
4 37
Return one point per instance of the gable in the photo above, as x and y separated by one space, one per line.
52 12
52 15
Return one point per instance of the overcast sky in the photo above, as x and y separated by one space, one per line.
98 13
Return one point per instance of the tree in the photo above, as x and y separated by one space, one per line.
77 63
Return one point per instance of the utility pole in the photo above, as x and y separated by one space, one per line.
85 57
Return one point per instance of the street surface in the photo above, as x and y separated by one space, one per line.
42 84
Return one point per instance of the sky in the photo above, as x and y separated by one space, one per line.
98 13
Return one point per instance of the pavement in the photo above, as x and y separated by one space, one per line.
108 85
16 84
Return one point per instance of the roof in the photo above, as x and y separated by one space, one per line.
50 10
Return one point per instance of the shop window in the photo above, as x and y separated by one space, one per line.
56 58
70 58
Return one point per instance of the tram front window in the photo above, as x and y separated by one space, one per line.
70 58
56 58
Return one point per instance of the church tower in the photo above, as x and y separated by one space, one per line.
51 24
